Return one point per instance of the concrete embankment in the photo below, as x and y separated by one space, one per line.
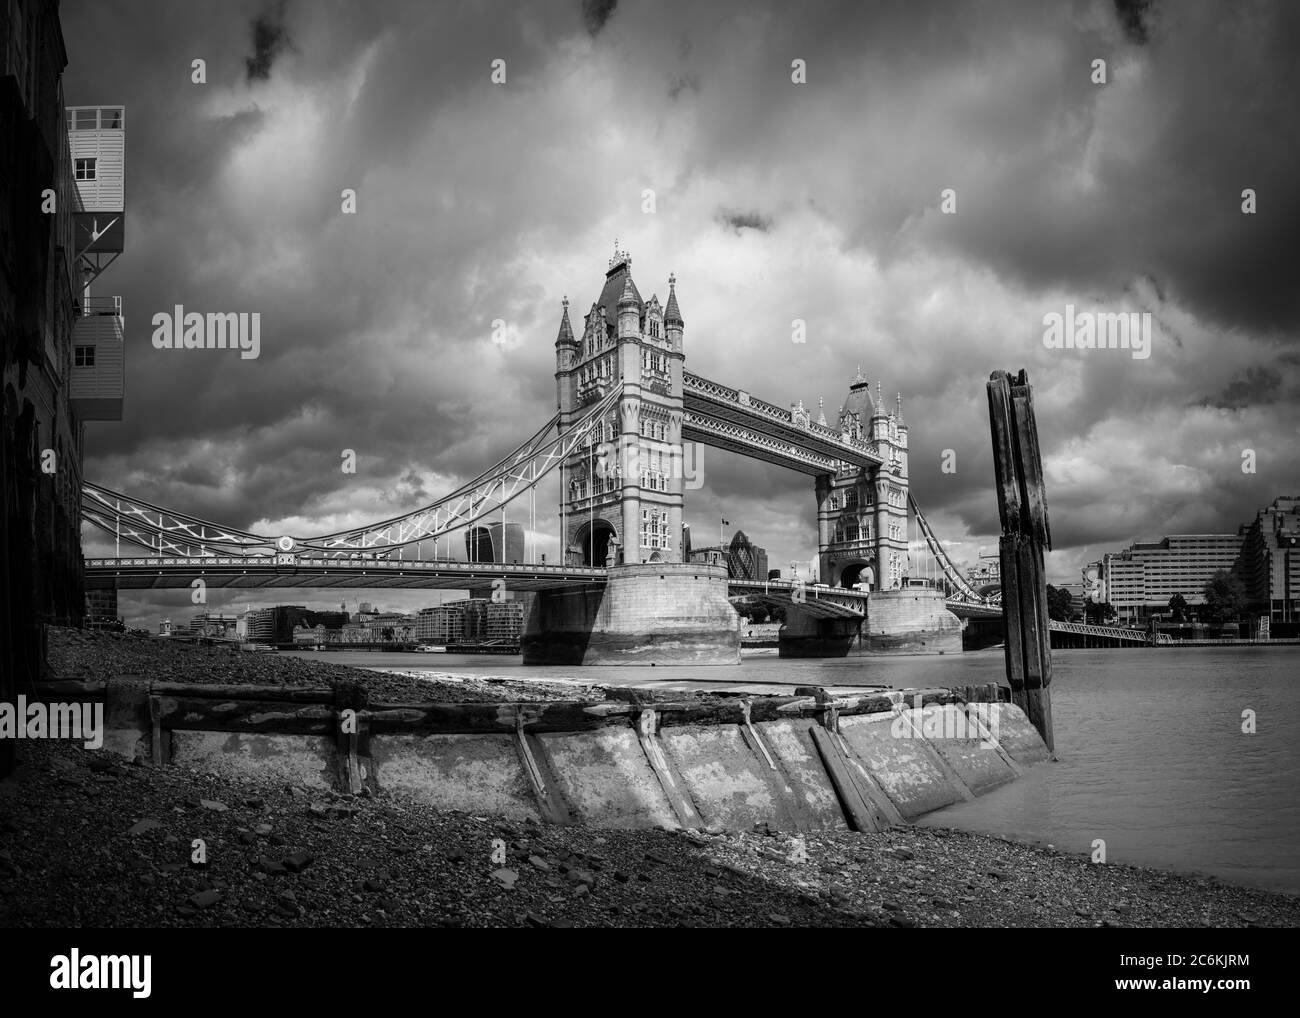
808 762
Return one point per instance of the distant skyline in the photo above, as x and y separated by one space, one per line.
772 201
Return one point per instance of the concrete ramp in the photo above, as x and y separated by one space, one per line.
791 745
912 774
294 759
966 746
606 779
729 783
464 772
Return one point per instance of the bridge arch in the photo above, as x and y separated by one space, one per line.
591 542
860 570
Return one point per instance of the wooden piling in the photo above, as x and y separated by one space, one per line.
1022 506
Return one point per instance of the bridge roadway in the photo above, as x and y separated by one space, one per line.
154 573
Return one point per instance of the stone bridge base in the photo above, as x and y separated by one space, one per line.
909 621
665 613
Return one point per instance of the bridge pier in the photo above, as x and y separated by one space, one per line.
661 613
805 635
907 621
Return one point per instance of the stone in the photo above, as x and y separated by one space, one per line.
505 877
539 863
214 805
271 867
585 877
148 824
204 899
296 862
262 830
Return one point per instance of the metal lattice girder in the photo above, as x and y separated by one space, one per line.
162 530
754 427
169 533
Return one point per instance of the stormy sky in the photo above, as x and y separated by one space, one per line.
773 200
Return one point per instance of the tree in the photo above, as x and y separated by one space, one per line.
1097 614
1225 596
1178 606
1058 604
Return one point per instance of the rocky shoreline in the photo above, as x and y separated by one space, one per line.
91 841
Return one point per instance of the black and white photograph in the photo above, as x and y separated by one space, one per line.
626 464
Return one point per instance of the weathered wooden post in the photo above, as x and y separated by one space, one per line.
1022 505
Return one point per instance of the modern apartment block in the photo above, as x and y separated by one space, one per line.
488 620
214 625
1270 565
1144 576
440 625
1264 555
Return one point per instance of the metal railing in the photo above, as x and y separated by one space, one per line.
86 306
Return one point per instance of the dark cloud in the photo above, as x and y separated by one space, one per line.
1257 385
270 39
1132 17
745 221
596 13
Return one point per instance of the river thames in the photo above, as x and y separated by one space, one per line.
1152 757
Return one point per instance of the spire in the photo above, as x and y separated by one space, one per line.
620 257
859 378
672 313
566 330
880 399
899 412
821 411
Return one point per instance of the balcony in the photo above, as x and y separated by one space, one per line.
98 381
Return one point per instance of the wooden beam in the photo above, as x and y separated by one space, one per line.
1026 534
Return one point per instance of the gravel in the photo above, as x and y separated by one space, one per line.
99 656
84 654
75 850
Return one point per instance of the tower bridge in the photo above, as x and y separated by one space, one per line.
627 410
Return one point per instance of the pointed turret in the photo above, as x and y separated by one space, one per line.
628 299
672 313
565 336
629 311
673 324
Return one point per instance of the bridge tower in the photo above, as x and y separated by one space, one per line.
625 486
862 514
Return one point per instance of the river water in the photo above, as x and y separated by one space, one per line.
1152 757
